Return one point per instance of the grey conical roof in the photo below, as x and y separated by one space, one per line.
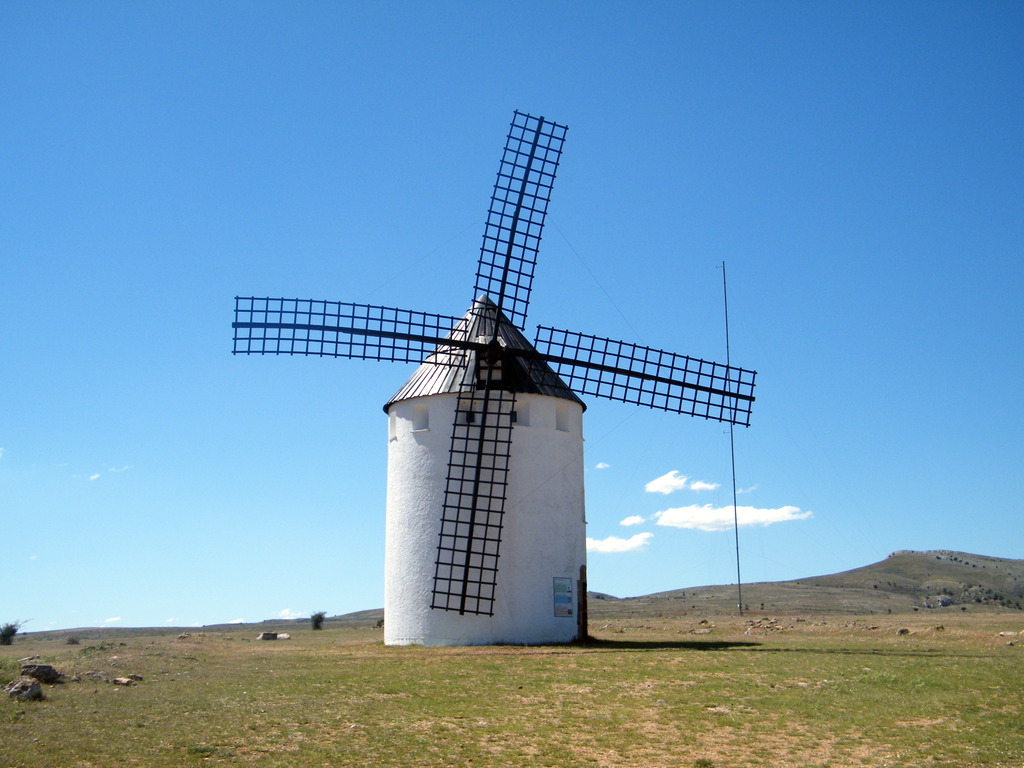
450 370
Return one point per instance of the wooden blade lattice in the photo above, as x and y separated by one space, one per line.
466 572
631 373
516 216
266 326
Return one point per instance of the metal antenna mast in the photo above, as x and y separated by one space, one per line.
732 456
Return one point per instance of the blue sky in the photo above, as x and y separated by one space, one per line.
857 166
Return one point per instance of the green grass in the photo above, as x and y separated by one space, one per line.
829 691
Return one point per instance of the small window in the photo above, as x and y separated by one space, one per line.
562 417
521 415
392 425
420 417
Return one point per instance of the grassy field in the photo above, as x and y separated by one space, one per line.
687 691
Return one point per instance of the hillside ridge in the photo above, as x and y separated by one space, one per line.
905 581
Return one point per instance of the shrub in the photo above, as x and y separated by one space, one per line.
317 619
8 631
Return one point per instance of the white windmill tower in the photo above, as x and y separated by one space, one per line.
485 515
497 445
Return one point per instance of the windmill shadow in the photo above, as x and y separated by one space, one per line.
667 645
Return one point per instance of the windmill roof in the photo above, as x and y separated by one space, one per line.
450 370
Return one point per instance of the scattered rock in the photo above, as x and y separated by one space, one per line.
123 681
283 636
903 631
184 636
25 689
44 673
27 659
136 678
767 624
1007 634
267 636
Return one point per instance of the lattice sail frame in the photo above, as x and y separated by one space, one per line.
337 329
630 373
515 219
472 518
473 510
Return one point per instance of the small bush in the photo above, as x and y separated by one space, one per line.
317 619
72 640
8 631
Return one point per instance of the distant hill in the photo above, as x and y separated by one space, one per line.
905 581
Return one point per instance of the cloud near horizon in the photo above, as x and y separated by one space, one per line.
700 485
708 518
616 544
672 481
668 483
288 613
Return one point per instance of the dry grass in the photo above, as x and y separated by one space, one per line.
818 691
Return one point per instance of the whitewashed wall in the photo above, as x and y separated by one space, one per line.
544 532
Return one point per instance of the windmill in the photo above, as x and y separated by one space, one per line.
485 530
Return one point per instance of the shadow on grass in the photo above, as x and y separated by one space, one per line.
667 645
920 653
757 647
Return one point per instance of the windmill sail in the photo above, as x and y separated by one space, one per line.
337 329
630 373
516 215
469 545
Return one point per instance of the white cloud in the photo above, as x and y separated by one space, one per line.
599 465
751 489
111 621
288 613
667 483
237 621
615 544
122 469
33 557
1 453
708 518
632 520
700 485
94 477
